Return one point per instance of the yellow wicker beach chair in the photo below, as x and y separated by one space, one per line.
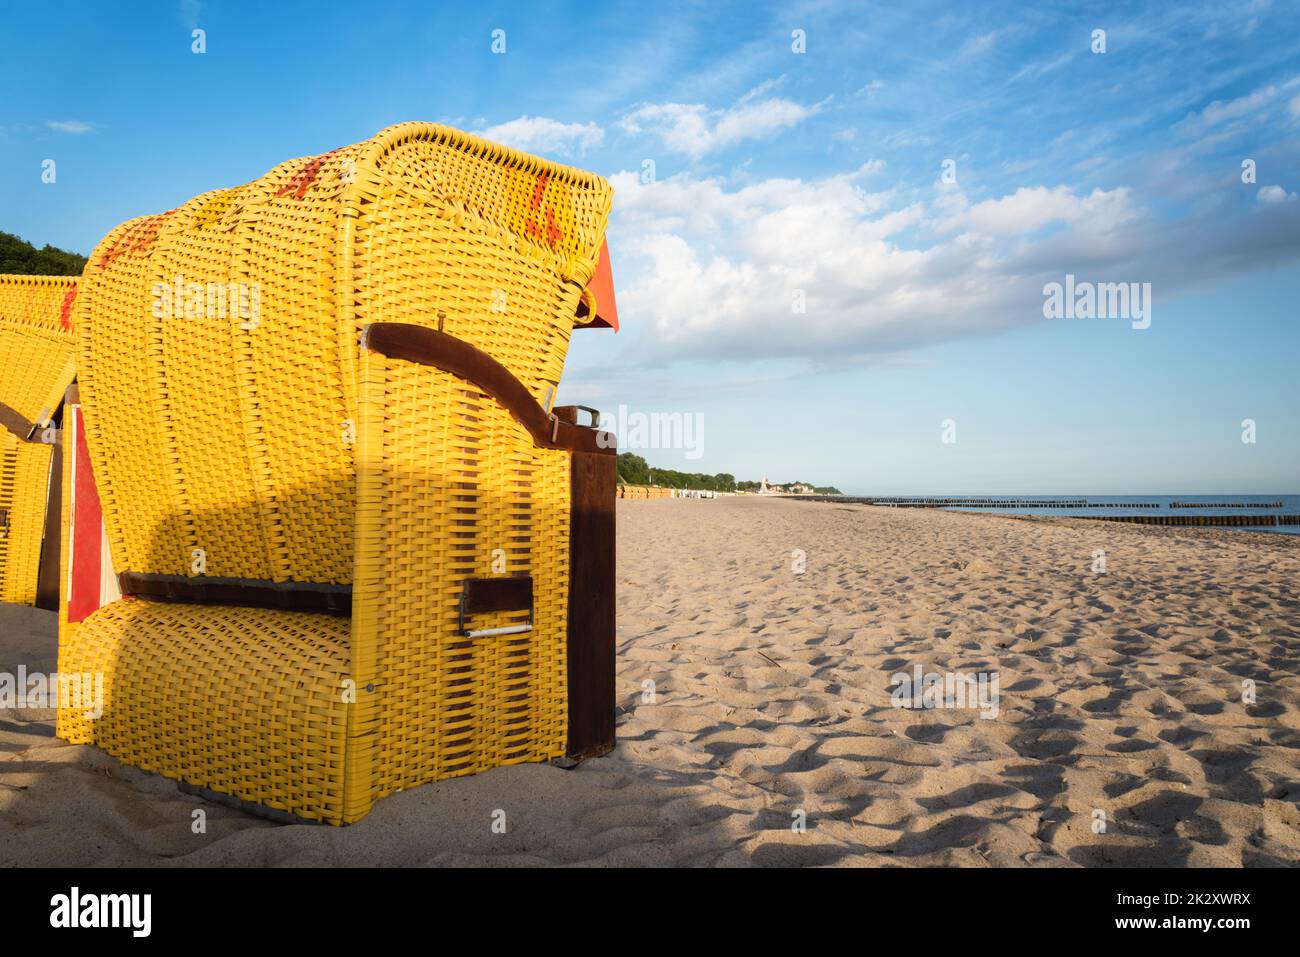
37 349
358 549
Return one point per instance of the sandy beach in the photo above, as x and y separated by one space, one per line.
757 640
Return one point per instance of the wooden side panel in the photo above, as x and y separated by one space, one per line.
591 605
47 582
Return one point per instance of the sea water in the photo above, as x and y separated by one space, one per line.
1105 505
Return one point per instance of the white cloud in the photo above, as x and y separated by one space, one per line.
1029 209
74 127
1039 69
721 267
189 12
982 42
693 130
540 134
1294 107
1225 112
710 271
1273 194
767 86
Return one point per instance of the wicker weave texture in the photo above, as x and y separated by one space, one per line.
24 486
517 240
65 533
37 349
420 224
36 343
247 702
277 449
37 301
452 487
119 374
202 347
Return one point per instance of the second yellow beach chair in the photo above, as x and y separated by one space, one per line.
37 363
358 549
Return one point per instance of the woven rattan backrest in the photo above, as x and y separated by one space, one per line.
500 243
37 350
36 343
218 353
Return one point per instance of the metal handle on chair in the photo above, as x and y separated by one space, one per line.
482 595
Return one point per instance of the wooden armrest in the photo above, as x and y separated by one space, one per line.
570 414
411 343
13 422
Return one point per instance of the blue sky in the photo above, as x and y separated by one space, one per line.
778 174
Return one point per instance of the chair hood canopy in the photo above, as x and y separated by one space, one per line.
38 363
218 341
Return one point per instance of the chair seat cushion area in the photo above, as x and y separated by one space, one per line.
247 702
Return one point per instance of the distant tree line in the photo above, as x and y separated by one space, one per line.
634 470
19 256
